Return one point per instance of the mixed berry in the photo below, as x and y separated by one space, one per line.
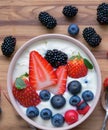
47 20
8 46
70 11
73 29
48 83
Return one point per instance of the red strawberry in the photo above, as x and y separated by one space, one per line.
105 83
71 116
60 87
41 73
24 93
77 67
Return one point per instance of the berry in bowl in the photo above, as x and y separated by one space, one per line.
54 82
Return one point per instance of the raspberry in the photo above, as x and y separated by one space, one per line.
47 20
8 46
91 37
102 13
70 11
105 83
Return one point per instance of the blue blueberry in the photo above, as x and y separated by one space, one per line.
74 100
74 87
73 29
57 120
46 113
45 95
87 95
82 105
58 101
32 112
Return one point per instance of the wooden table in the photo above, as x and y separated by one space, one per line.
20 19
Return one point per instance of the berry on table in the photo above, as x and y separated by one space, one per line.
58 101
8 46
73 29
105 83
74 100
57 120
102 13
47 20
91 37
70 11
45 95
56 57
71 116
87 95
32 112
46 113
74 87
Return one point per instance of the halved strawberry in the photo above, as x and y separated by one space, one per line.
24 93
41 73
60 87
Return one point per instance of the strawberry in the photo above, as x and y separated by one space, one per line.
60 87
24 93
105 83
76 67
41 73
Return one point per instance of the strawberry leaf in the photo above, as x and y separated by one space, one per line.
19 83
88 64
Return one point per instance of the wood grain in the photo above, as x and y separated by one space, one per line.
20 19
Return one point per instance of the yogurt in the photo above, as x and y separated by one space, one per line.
89 82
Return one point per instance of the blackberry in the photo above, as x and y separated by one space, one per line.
8 46
69 11
102 13
94 40
47 20
88 32
56 57
91 37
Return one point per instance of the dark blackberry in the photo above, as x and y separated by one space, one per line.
91 37
94 40
102 13
88 32
56 57
69 11
47 20
8 46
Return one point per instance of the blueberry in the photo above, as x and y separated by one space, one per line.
58 101
45 95
74 87
87 95
73 29
32 112
46 113
57 120
74 100
82 105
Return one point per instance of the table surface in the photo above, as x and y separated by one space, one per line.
20 19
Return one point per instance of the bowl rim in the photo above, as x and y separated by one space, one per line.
53 36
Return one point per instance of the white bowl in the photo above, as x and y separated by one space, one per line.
63 38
